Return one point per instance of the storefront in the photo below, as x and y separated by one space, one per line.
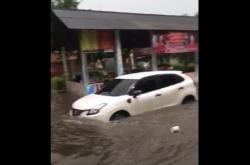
106 47
176 50
98 47
173 50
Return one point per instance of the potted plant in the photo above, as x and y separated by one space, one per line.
178 66
58 84
190 67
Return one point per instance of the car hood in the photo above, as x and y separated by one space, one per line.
92 100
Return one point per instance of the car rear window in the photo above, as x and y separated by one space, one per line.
147 84
170 79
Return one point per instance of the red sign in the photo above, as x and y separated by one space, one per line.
174 42
105 39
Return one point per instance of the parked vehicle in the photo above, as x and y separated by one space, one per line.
136 93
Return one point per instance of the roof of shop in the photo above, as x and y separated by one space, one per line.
90 19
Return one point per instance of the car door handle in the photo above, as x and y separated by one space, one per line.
180 88
157 95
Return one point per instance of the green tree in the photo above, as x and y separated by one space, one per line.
64 4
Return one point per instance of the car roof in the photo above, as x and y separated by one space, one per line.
141 75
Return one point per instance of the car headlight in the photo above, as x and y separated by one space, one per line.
96 109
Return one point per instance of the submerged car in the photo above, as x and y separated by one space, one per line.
136 93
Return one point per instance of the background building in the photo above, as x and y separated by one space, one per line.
95 46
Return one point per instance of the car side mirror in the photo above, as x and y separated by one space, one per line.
135 93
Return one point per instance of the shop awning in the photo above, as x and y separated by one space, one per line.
88 19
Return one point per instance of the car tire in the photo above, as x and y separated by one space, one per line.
119 115
188 99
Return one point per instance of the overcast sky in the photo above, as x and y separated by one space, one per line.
168 7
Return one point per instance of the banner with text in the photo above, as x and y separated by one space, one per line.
175 42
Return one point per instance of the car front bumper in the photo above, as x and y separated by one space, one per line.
99 116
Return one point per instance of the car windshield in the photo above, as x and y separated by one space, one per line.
117 87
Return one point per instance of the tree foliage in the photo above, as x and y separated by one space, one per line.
64 4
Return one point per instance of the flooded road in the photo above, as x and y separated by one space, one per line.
140 140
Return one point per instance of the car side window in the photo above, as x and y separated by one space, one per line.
168 80
146 85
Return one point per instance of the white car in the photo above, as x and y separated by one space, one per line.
136 93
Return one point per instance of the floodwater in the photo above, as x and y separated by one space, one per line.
139 140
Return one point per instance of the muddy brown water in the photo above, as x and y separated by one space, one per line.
139 140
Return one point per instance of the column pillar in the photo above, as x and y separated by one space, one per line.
118 53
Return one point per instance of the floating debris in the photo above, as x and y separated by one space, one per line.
175 129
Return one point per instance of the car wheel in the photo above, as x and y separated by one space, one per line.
119 115
188 99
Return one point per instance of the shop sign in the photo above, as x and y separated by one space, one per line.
72 57
105 39
55 58
174 42
142 51
89 40
92 40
